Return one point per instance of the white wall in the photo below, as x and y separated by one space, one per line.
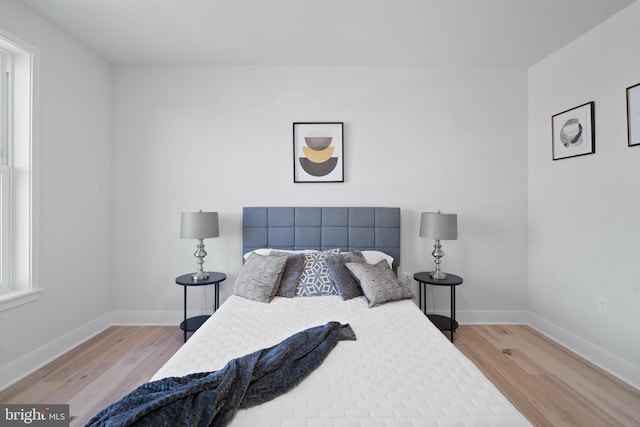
584 212
74 199
220 138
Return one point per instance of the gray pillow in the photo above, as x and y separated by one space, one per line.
379 283
291 274
259 278
347 287
315 279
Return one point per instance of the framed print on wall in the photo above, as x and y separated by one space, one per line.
633 114
573 132
318 152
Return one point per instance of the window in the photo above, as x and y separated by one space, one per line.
5 193
18 164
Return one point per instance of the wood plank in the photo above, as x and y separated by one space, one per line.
549 384
99 371
515 383
141 354
614 396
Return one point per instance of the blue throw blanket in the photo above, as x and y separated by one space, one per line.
213 398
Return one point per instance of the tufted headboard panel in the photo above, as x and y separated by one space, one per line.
296 228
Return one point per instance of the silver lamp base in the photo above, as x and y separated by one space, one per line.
438 275
200 253
200 275
437 255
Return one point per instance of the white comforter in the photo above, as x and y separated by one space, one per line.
400 372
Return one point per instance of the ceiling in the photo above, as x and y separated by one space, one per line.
444 33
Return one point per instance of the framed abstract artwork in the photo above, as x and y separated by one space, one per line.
633 114
573 132
318 152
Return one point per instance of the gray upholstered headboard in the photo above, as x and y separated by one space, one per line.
296 228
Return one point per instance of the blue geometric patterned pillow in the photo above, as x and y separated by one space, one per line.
315 279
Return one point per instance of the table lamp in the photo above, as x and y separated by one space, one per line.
438 226
199 225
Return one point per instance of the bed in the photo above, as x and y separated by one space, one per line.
401 371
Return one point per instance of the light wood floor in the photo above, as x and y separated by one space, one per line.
100 371
548 384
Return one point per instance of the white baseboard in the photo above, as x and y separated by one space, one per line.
146 318
619 368
17 369
168 318
472 317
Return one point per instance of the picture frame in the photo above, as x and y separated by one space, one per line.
573 132
318 152
633 115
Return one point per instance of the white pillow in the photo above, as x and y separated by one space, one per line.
267 251
263 252
373 257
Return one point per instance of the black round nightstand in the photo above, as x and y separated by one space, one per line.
443 323
193 323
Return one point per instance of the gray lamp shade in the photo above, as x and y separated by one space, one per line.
439 226
199 225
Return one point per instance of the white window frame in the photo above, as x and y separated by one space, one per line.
5 178
19 272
